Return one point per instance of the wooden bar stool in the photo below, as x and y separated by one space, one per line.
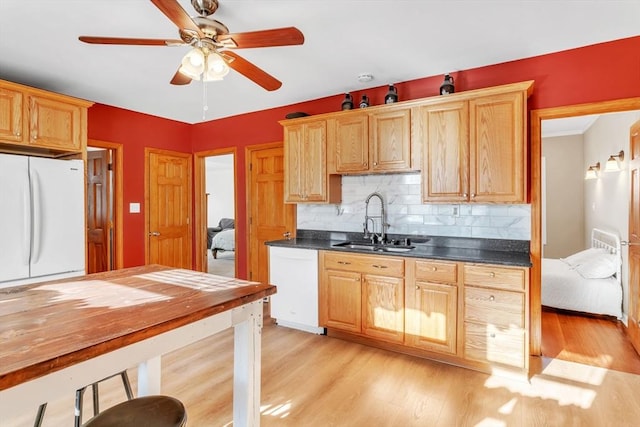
147 411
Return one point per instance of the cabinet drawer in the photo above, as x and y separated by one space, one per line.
437 271
366 264
494 307
495 277
487 343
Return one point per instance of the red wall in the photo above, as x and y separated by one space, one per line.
595 73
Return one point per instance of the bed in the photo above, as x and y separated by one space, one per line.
588 281
225 240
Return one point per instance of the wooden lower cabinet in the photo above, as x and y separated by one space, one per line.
473 315
363 294
432 306
496 315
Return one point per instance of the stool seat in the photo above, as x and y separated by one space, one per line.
147 411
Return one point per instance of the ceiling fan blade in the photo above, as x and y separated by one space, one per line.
130 41
180 79
287 36
177 15
252 72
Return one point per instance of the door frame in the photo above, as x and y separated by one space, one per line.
537 116
117 151
200 200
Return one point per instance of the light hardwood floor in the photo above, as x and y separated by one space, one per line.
592 340
311 380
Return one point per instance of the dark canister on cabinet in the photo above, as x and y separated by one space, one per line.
364 103
391 96
347 103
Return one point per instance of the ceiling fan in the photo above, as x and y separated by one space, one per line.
210 57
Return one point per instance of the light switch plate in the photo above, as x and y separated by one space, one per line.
134 207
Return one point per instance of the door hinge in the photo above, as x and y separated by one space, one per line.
109 166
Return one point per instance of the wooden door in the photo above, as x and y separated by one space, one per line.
168 188
340 299
444 131
11 128
497 148
349 143
383 307
98 211
54 124
269 217
431 317
390 140
634 237
314 165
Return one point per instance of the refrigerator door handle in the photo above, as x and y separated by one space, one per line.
26 224
37 216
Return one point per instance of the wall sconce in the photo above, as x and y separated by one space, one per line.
613 164
592 172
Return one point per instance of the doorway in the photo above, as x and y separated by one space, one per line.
216 235
104 206
553 329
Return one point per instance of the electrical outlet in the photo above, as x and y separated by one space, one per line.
456 211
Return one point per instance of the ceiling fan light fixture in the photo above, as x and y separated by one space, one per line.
216 67
193 63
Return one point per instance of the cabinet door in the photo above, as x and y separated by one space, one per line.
11 123
350 143
383 304
497 148
314 164
54 124
390 136
293 168
445 162
431 317
340 300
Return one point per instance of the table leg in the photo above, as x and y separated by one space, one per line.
247 365
149 377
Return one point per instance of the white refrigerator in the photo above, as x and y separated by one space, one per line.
42 225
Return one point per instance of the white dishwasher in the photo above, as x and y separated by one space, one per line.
295 273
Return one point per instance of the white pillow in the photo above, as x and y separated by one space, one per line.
599 266
584 256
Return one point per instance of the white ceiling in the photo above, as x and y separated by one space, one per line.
396 41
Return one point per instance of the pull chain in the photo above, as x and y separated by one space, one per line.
205 106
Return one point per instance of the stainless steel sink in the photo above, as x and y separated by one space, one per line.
366 246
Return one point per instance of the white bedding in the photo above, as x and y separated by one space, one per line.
224 240
564 288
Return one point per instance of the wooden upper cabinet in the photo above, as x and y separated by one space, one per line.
41 122
474 148
349 143
11 123
390 140
445 162
497 148
306 178
54 124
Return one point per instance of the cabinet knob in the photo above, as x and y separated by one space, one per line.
492 274
434 269
375 163
344 263
379 266
35 136
417 288
465 195
492 298
18 133
473 195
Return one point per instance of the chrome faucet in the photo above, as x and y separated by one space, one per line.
370 234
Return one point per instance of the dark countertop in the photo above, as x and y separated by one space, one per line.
486 251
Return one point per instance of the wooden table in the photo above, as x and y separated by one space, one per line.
56 337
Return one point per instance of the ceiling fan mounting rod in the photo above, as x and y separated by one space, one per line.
205 7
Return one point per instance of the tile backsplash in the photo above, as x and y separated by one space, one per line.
406 214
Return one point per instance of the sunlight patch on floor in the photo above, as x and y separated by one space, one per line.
567 383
